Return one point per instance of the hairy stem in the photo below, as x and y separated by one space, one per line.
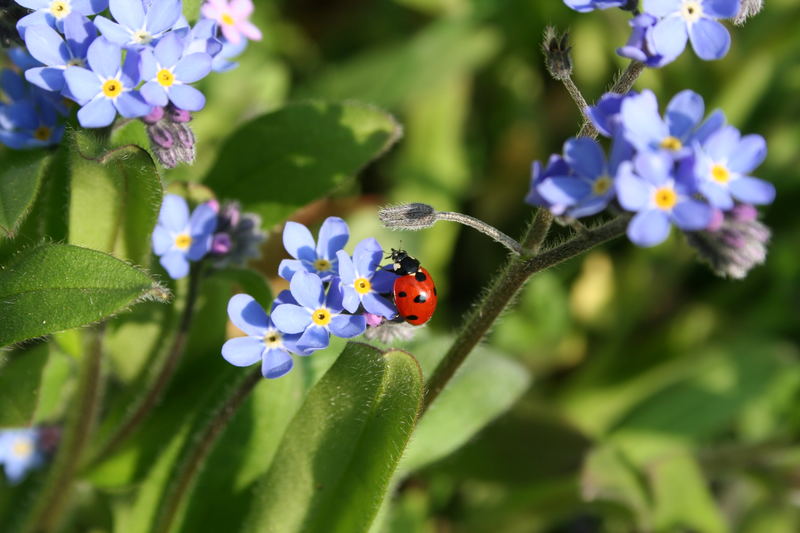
505 285
484 228
164 376
191 466
622 84
50 505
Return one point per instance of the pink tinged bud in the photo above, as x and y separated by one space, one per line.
213 204
373 321
717 218
221 244
155 114
161 136
744 213
179 116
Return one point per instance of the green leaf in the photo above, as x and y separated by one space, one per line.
20 375
191 9
344 442
250 282
115 197
53 287
285 159
20 179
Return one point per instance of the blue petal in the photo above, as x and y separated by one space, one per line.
308 290
112 31
46 45
243 351
752 190
347 271
104 57
335 296
130 104
720 9
750 152
176 264
83 84
367 255
48 78
174 214
247 315
661 8
129 13
351 299
168 50
298 241
654 167
591 206
633 193
162 15
564 190
284 297
89 7
383 281
643 125
684 112
333 235
348 326
193 67
148 66
692 215
378 305
712 124
79 33
37 18
289 267
187 97
154 94
98 113
585 156
710 39
162 240
34 4
669 37
314 338
276 363
722 143
131 71
649 227
290 318
717 195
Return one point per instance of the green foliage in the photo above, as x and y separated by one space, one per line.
20 179
345 440
53 287
20 375
289 157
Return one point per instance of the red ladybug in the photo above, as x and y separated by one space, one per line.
414 291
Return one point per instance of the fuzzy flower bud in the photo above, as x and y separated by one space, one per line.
390 331
414 216
238 236
747 9
171 137
734 242
556 50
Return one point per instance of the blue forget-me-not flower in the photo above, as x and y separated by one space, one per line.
55 12
363 281
168 71
179 238
320 257
138 22
19 452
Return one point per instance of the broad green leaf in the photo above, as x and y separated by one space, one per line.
53 287
250 282
20 376
191 9
344 442
115 197
20 178
486 386
283 160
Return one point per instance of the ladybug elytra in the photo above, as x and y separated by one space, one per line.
414 290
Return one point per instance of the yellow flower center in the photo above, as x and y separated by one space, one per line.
322 265
141 37
671 143
42 133
60 9
665 198
112 88
601 185
272 338
720 173
691 10
321 316
183 241
362 285
22 448
228 19
165 77
76 62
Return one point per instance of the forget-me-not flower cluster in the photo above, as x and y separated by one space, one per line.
680 169
330 293
114 57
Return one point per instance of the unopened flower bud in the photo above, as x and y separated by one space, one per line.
171 137
390 331
747 9
238 236
556 50
414 216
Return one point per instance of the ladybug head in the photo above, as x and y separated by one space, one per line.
403 263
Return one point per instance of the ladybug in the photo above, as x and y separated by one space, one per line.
414 291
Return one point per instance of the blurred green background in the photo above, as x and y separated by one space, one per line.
661 397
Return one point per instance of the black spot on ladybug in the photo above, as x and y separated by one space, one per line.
402 294
419 276
412 317
421 298
434 292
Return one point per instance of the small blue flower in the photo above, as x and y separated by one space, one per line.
30 119
106 88
57 53
556 166
606 113
363 282
179 238
264 342
584 6
19 452
139 22
319 258
639 45
693 20
649 187
722 166
316 314
55 12
590 186
168 71
647 131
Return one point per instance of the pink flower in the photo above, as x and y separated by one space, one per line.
231 16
